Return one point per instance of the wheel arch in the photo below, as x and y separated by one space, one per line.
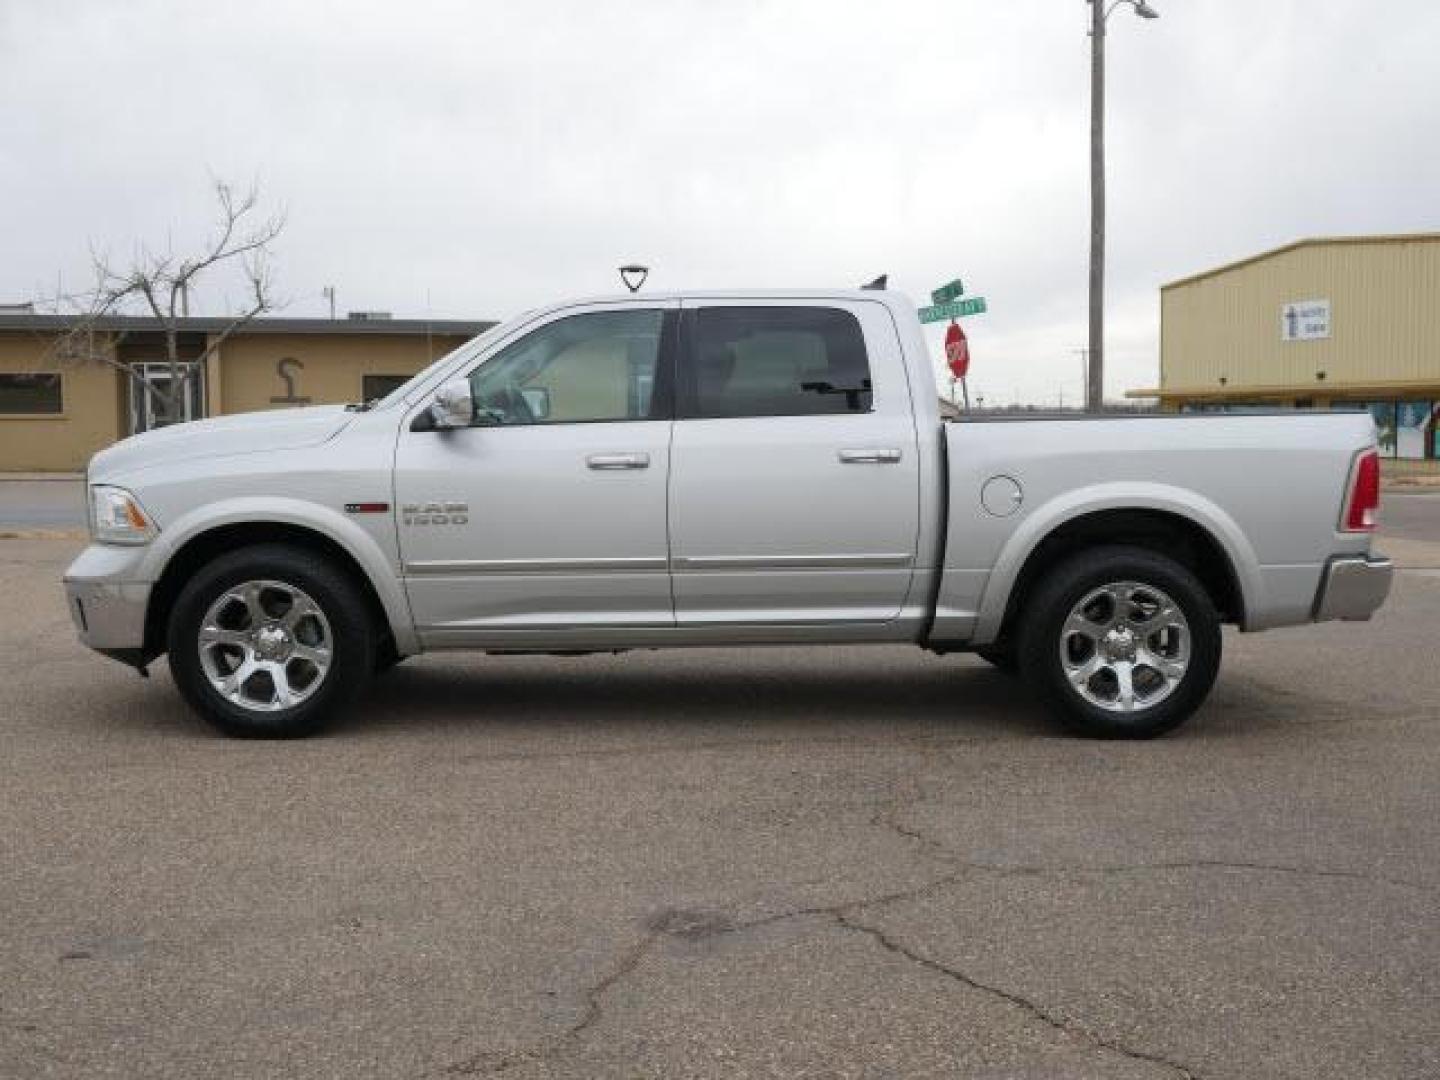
1198 535
203 542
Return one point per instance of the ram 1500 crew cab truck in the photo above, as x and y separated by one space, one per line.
716 469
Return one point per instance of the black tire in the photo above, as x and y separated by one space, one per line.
1042 633
1001 657
387 657
339 599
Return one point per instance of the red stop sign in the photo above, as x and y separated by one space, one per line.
957 351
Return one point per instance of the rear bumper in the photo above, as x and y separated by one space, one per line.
107 603
1353 587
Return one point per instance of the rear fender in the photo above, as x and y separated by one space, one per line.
1050 516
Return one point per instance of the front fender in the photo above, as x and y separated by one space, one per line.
356 541
1124 495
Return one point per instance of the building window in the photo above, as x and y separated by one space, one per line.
1406 429
1383 413
379 386
1415 428
31 394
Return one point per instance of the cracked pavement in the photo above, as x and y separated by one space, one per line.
798 862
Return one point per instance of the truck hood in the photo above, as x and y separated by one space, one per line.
275 429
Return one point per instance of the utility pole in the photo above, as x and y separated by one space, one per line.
1099 14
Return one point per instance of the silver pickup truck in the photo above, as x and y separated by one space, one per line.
716 469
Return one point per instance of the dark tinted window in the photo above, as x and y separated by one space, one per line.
379 386
776 361
30 394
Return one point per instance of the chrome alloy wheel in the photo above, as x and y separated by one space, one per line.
1125 646
265 645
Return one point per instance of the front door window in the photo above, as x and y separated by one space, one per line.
600 366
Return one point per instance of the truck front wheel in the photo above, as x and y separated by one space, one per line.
1120 642
270 641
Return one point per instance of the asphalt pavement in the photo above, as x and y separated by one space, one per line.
783 863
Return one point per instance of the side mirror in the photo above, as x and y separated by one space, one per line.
453 406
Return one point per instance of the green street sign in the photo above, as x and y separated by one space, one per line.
960 308
945 293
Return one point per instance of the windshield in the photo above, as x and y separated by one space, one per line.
474 344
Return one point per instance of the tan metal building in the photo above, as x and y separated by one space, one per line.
54 414
1326 323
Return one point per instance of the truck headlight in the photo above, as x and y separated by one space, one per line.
116 517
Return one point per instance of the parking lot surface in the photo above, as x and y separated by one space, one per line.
797 862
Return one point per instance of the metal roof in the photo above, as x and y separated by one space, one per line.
203 324
1311 241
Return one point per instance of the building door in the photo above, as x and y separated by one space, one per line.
795 483
151 382
546 516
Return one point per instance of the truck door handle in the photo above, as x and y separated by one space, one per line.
875 455
618 461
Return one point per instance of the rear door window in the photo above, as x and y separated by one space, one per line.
774 361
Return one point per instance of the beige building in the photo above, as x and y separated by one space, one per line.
1337 322
55 413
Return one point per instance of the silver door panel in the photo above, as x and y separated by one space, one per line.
799 519
813 538
542 601
561 523
549 540
790 596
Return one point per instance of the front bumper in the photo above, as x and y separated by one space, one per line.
107 601
1353 587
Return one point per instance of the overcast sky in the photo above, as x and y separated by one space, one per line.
474 159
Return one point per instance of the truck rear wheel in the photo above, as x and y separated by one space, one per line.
270 641
1120 643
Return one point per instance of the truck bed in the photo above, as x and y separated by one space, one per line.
1266 487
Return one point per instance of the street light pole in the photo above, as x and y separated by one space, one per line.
1099 15
1095 379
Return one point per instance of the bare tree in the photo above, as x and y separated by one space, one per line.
159 284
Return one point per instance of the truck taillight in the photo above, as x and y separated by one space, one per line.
1362 505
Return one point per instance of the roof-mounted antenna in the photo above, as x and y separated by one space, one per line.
634 275
878 283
